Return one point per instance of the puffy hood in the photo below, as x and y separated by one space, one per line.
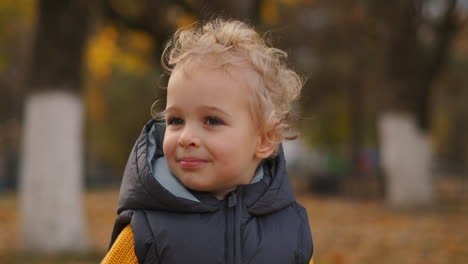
148 184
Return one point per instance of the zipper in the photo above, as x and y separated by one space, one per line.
231 242
232 199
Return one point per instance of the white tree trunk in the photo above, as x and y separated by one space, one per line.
406 157
51 173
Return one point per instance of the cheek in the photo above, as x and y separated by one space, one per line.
169 144
231 147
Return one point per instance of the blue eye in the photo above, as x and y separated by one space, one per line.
213 121
175 121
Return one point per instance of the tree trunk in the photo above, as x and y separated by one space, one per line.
51 168
51 183
406 158
413 66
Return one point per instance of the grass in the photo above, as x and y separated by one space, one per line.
345 231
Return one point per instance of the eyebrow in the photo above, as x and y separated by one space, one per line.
205 108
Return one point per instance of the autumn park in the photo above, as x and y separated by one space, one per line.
380 161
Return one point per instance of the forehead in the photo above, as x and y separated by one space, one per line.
236 68
218 80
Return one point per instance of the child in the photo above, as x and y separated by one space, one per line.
208 184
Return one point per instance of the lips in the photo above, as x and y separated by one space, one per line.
190 163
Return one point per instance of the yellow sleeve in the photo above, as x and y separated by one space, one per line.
122 251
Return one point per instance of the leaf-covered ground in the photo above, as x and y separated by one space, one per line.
369 232
344 231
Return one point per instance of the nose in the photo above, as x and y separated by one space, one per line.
189 138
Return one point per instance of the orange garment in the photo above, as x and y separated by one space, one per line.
122 251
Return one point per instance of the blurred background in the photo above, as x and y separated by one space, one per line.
381 158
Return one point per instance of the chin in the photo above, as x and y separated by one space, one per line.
193 185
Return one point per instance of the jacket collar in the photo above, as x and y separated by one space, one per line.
147 185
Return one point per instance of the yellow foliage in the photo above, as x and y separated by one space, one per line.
269 12
295 2
179 18
130 63
16 17
140 41
290 2
21 11
94 100
101 51
185 20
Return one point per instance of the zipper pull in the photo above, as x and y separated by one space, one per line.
232 200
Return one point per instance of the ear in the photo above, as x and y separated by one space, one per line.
264 148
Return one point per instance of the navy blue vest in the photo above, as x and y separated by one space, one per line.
257 223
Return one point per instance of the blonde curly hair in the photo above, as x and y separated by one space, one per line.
234 43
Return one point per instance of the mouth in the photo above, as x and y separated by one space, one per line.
191 163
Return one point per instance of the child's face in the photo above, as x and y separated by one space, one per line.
211 142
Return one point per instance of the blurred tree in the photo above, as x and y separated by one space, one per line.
417 44
332 41
161 18
451 121
16 19
51 162
367 50
119 91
